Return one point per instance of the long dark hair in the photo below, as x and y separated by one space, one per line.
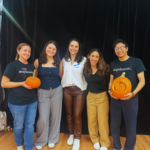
102 66
79 56
43 58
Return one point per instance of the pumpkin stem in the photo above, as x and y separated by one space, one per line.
34 74
123 74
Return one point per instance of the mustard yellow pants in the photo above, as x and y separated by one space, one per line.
97 111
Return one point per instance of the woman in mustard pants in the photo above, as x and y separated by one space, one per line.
96 71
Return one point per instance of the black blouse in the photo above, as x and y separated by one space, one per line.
97 84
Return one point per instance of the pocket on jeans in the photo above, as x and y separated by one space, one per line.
16 108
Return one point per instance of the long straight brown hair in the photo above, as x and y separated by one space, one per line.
102 66
19 47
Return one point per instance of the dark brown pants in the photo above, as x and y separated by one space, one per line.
74 102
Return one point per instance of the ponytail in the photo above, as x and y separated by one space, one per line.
17 57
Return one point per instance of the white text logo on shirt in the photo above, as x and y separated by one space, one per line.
122 69
24 70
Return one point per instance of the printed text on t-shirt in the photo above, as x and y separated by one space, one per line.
122 69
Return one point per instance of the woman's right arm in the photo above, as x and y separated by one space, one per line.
6 83
36 65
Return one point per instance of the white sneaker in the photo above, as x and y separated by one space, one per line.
103 148
38 147
20 148
76 144
51 145
96 146
70 139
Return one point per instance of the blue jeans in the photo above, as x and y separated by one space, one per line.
24 118
129 108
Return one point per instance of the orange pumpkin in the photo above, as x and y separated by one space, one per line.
33 81
121 86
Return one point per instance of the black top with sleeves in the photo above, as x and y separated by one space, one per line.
97 84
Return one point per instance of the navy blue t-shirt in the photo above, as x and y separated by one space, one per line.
132 66
16 71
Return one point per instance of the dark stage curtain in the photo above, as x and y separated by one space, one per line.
96 23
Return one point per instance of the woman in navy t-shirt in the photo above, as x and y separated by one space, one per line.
22 99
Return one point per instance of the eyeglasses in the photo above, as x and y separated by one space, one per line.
117 48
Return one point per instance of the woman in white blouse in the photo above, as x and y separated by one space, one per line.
74 85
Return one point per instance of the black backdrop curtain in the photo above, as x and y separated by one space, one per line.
96 23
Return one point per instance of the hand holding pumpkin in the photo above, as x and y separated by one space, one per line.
110 93
121 88
127 96
32 81
26 86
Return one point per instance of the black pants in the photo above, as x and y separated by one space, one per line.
129 108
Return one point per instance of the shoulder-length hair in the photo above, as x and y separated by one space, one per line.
43 58
102 66
79 56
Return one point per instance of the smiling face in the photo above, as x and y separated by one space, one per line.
94 58
73 47
24 52
50 50
121 50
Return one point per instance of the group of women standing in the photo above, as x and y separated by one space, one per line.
77 73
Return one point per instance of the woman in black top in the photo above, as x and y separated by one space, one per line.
22 99
49 96
96 71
